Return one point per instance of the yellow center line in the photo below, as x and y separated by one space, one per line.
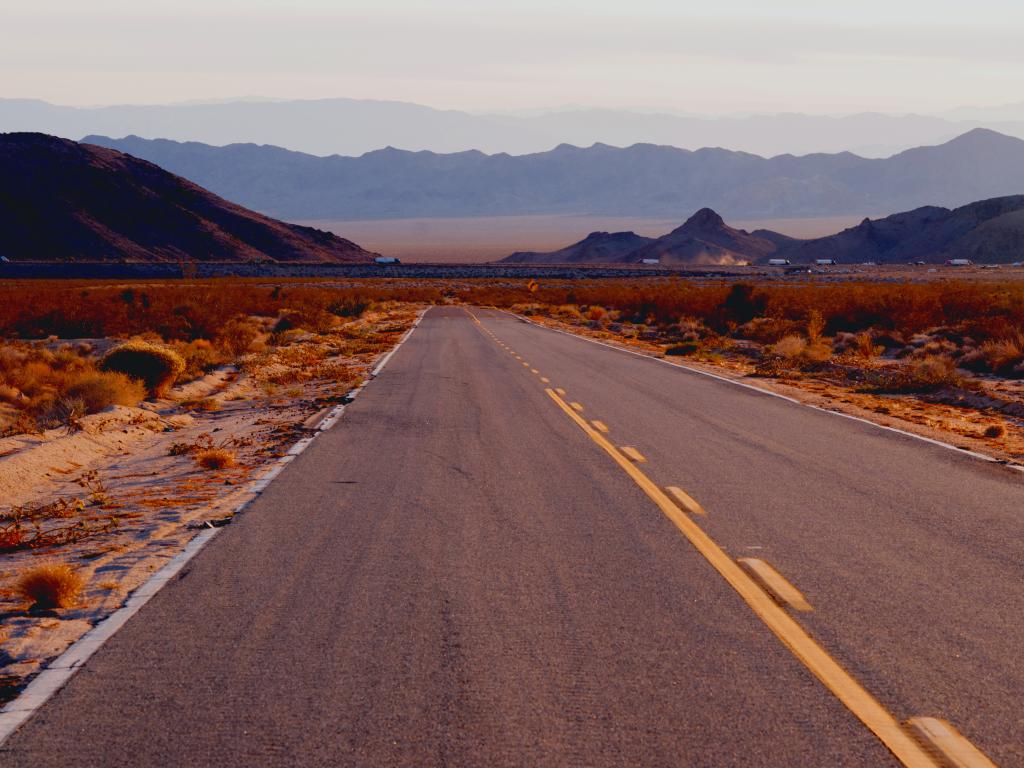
948 742
851 693
600 426
534 370
576 406
545 379
633 454
685 500
775 583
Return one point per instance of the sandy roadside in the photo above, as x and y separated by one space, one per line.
134 490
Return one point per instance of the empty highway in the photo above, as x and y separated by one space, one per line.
521 548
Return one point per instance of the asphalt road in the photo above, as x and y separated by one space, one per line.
458 573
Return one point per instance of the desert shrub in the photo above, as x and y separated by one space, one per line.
9 394
205 404
920 375
790 347
102 389
815 326
200 357
53 585
155 366
596 313
685 349
350 306
62 412
865 347
768 330
215 458
742 304
1005 354
238 336
994 431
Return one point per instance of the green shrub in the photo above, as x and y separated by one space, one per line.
155 366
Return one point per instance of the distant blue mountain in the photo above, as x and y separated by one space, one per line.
640 180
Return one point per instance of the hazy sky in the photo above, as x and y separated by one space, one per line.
711 57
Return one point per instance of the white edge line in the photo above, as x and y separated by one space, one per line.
751 387
59 671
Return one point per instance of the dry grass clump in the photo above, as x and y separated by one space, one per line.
52 585
994 431
53 388
101 389
238 336
156 366
1006 355
921 375
216 458
204 404
790 347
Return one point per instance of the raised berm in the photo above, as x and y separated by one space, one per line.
62 201
988 231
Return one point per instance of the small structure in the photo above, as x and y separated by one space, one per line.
779 262
825 262
386 260
650 261
958 262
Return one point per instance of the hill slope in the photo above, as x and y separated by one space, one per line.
641 180
706 239
597 247
63 201
988 231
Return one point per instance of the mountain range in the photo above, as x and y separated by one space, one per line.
640 180
64 201
356 126
989 231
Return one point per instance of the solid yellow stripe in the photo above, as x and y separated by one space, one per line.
851 693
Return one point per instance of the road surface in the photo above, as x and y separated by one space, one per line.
467 570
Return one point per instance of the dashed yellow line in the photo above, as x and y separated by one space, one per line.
774 583
945 740
545 379
685 500
851 693
576 406
633 454
600 426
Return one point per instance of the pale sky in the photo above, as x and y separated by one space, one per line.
725 56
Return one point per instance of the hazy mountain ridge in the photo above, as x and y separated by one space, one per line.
64 201
355 126
987 231
642 180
